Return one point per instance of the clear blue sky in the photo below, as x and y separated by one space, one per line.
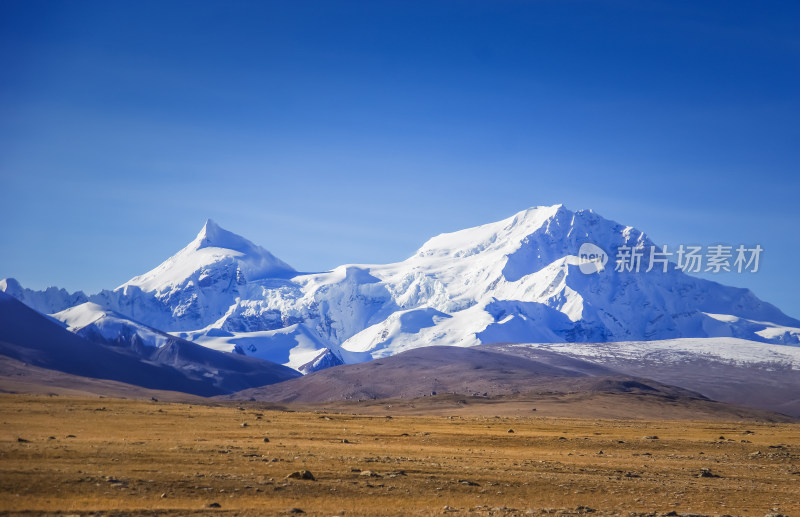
333 132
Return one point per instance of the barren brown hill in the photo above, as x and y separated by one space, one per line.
441 369
469 381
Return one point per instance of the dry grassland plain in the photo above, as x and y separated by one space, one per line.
80 456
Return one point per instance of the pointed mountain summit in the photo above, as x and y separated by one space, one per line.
214 236
199 284
213 252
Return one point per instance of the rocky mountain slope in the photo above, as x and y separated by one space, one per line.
176 365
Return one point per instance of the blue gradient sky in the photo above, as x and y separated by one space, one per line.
335 132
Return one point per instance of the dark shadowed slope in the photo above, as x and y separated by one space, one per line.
228 372
32 338
466 371
19 377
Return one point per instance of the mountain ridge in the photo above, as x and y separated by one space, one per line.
514 280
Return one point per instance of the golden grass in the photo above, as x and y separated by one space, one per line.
142 457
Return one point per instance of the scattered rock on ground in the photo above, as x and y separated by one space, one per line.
302 474
705 472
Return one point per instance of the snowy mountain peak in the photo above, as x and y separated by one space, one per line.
47 301
214 236
213 251
10 286
502 235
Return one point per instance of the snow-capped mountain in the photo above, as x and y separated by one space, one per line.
47 301
521 277
515 280
199 284
213 255
102 325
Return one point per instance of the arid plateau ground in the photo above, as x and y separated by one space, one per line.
63 455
